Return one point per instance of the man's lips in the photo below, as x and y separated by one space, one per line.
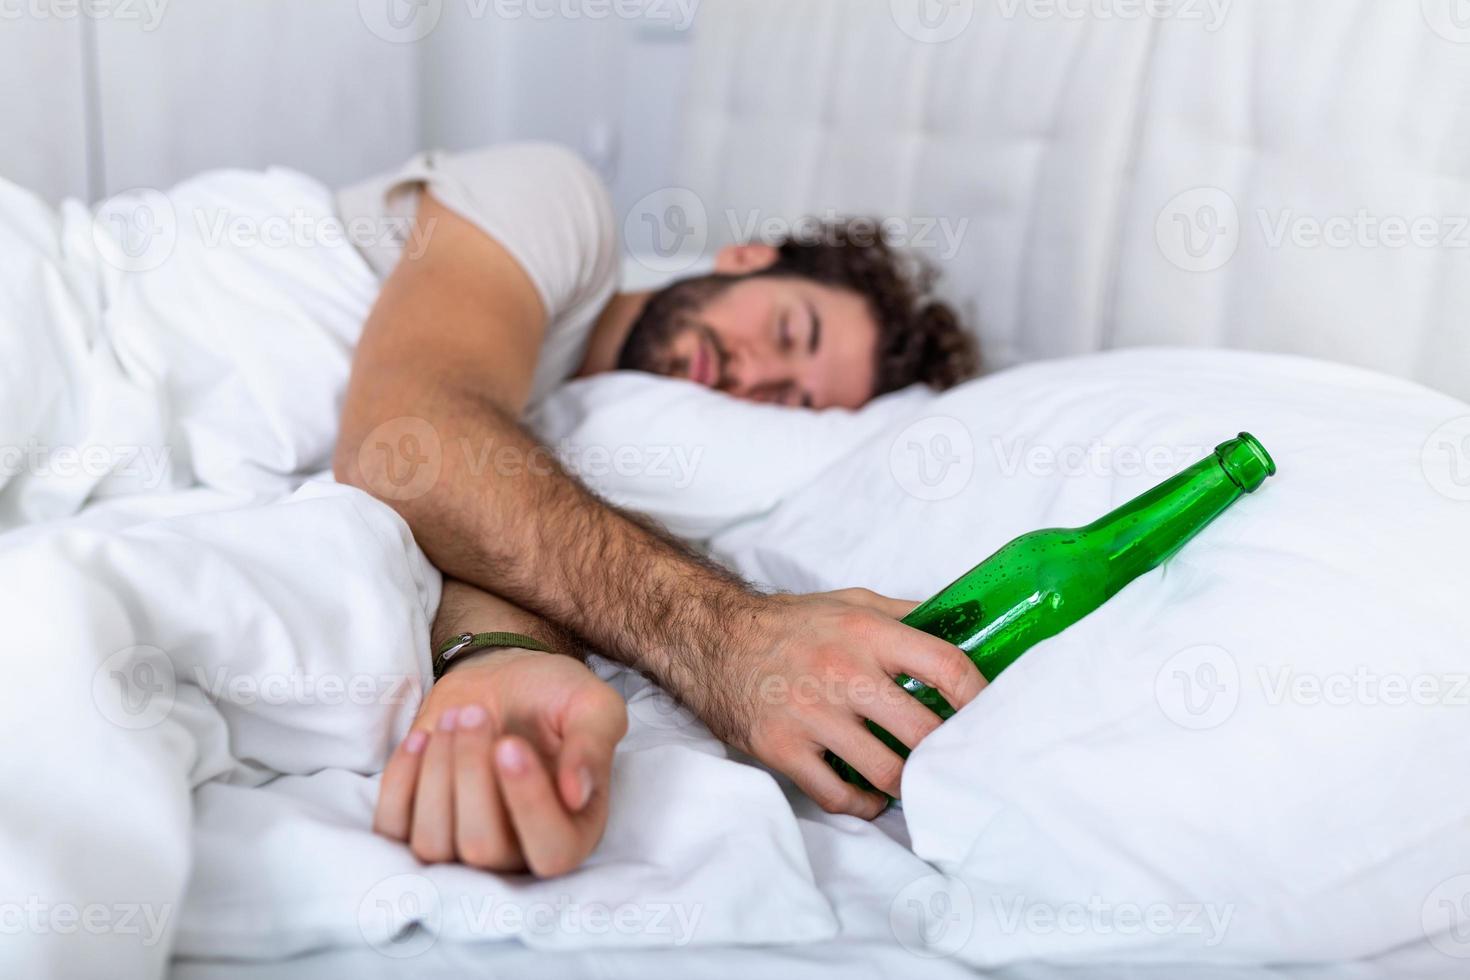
701 364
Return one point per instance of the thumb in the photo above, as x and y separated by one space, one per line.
590 734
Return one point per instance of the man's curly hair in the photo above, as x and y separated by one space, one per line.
920 338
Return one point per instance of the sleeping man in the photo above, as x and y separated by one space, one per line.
511 291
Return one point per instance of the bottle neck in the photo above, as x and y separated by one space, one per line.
1144 532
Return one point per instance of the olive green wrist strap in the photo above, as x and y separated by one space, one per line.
466 643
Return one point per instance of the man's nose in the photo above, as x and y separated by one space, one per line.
750 373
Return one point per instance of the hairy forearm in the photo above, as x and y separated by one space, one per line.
503 514
443 369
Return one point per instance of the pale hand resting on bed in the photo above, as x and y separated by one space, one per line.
508 765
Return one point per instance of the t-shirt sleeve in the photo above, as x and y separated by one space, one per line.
545 205
541 202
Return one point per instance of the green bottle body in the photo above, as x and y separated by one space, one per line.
1042 582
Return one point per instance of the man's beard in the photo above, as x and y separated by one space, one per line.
647 346
650 347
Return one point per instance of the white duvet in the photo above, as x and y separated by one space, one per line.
208 665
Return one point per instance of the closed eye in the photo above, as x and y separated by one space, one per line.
816 338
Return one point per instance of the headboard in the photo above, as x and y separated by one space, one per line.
1098 173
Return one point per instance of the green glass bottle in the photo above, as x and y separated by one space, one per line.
1042 582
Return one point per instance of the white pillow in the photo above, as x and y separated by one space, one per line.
697 460
1194 772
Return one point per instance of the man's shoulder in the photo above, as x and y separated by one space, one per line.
550 206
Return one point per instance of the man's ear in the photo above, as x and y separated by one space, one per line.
736 260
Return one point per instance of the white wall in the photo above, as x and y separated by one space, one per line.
612 89
489 79
43 112
157 90
251 84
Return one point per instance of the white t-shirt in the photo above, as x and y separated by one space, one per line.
542 202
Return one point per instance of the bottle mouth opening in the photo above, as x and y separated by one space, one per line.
1254 445
1246 461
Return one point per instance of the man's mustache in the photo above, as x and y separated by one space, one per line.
676 366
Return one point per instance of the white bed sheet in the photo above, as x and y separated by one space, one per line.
244 817
837 960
